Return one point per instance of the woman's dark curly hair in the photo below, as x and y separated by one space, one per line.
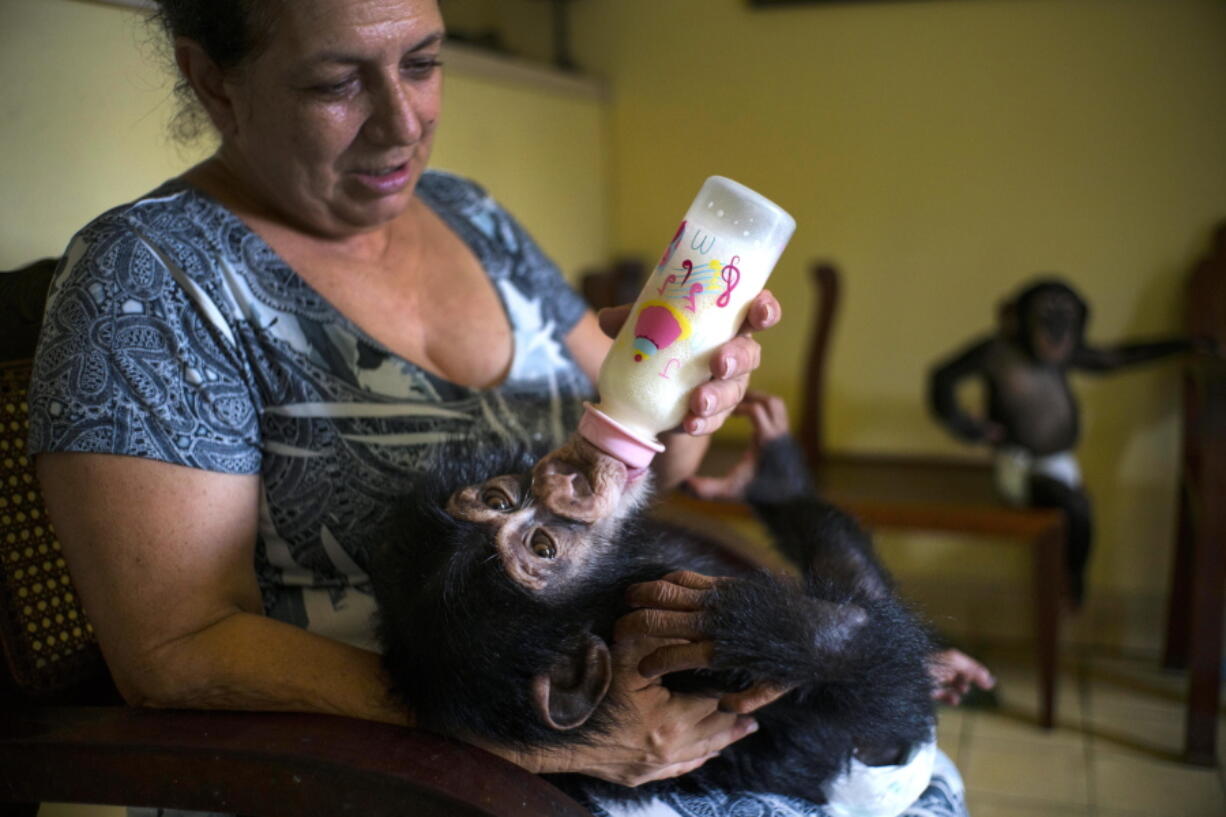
231 32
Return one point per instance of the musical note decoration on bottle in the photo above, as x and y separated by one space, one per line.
731 276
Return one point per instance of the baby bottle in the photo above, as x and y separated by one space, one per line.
695 300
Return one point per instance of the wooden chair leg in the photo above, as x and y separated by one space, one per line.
1049 581
1205 629
1179 597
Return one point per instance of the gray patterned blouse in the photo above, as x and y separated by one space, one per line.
174 332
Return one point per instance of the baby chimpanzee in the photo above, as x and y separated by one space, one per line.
497 615
1031 416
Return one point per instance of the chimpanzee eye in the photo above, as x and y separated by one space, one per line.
496 499
542 545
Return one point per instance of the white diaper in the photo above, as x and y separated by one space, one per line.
864 791
881 791
1015 466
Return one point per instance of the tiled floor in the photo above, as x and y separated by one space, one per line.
1114 752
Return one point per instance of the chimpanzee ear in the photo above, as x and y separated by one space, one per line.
567 695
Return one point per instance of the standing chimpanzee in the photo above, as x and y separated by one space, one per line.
497 615
1032 415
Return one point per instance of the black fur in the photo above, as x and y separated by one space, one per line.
463 642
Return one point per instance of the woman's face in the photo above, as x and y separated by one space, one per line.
332 122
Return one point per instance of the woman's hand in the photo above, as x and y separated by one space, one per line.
710 403
731 363
671 607
658 734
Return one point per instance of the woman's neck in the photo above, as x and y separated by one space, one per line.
221 178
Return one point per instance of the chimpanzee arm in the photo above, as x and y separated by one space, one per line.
769 629
832 623
789 634
1106 359
942 390
821 539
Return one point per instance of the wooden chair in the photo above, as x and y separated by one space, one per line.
66 737
1194 606
917 493
617 284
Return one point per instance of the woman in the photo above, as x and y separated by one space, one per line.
239 371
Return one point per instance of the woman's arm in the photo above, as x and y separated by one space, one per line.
162 556
710 403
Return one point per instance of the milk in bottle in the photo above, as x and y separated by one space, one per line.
695 300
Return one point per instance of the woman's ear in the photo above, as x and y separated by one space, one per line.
208 82
568 695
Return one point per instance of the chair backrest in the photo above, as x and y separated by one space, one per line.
48 645
1207 291
1204 433
829 290
617 284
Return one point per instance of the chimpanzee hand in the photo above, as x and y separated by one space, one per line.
769 416
731 363
954 672
672 607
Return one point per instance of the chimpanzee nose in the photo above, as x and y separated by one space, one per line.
564 473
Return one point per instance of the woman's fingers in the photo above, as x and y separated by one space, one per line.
659 624
677 657
693 579
736 358
682 590
717 397
731 363
764 312
752 699
711 402
720 732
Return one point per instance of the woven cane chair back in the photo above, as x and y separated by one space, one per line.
48 645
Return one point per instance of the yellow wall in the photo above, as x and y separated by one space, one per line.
84 119
541 152
84 128
940 153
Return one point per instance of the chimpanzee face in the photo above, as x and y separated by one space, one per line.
541 550
1053 324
